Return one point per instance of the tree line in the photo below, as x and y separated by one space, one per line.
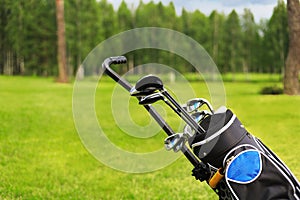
237 43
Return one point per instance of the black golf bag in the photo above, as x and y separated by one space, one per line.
240 166
234 163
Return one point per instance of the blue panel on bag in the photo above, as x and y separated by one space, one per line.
245 167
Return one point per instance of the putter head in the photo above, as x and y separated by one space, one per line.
147 85
151 98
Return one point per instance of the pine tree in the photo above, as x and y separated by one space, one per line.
216 39
83 30
232 42
249 41
276 37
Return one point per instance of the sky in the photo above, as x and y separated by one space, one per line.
260 8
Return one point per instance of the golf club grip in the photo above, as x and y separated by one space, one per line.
115 76
162 123
115 60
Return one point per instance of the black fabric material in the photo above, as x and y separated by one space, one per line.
271 184
276 180
233 136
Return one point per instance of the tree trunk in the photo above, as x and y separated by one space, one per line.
61 43
8 65
292 65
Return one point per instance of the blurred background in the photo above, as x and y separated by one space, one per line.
237 41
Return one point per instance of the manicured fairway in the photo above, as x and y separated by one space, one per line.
42 157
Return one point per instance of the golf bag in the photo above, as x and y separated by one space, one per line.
233 162
240 166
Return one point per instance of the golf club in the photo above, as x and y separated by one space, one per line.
151 98
175 142
183 113
195 104
146 85
198 117
150 84
162 123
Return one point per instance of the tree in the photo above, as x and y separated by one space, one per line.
61 43
249 40
124 17
83 30
28 37
147 15
11 31
292 66
28 30
125 22
276 39
200 28
232 39
4 10
216 48
108 18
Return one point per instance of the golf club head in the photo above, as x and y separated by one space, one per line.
188 130
152 98
147 85
175 142
198 117
194 104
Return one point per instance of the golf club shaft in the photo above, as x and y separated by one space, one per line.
183 114
162 123
115 76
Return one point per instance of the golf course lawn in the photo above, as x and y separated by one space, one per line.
42 156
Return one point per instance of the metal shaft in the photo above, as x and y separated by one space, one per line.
162 123
183 114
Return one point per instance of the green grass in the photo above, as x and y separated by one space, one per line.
42 157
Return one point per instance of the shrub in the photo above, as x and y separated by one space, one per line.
274 90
